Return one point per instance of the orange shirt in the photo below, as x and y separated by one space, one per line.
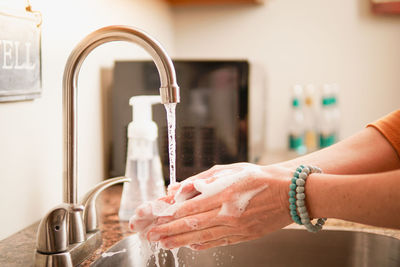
389 127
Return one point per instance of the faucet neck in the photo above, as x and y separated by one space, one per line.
169 89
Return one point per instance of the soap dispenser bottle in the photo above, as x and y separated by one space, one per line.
143 164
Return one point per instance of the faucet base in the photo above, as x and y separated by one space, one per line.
76 253
53 260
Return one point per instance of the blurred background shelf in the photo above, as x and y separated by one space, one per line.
213 2
386 7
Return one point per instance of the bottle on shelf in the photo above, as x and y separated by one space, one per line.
297 122
327 124
310 118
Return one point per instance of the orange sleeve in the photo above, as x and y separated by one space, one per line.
389 127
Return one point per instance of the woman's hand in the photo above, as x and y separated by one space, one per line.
231 204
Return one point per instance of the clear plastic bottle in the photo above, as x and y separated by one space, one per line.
297 122
310 117
143 164
327 134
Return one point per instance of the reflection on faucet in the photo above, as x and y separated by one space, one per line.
63 236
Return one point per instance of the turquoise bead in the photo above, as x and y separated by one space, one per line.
296 174
299 169
292 186
292 193
292 200
293 212
301 166
292 207
294 180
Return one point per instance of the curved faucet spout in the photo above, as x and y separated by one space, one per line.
169 89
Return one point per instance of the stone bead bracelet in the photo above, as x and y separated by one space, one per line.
297 196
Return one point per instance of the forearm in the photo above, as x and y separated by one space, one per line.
369 198
365 152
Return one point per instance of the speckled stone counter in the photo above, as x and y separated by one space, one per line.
18 250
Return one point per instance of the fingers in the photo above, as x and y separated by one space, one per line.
137 224
172 189
199 205
143 217
186 187
187 224
196 237
225 241
185 191
205 174
168 199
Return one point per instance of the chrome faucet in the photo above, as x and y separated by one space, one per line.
69 232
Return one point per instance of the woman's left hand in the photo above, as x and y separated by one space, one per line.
252 206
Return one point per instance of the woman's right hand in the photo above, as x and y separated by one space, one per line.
252 206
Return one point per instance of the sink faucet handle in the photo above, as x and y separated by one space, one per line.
52 236
53 239
89 202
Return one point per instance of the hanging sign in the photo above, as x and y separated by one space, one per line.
20 56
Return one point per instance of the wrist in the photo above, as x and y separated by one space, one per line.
299 203
284 196
281 177
312 196
316 191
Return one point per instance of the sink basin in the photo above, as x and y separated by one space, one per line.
287 247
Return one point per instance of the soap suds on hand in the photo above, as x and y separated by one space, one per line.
237 207
229 177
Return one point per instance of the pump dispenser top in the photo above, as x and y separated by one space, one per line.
143 125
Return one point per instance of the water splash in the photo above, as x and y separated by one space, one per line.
171 120
110 254
175 256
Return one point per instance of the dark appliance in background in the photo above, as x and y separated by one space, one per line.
211 119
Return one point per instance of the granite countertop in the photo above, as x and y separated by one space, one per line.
18 250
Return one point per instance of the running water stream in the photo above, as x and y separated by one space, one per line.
171 120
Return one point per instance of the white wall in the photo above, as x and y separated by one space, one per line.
315 41
31 132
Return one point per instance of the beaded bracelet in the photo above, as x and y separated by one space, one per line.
297 196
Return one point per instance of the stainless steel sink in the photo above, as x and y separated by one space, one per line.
288 247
